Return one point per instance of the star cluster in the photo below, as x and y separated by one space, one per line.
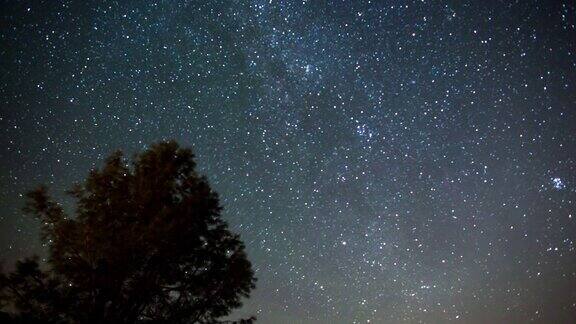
384 161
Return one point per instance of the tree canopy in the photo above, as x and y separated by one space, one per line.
147 243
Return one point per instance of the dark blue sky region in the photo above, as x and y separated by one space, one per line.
384 161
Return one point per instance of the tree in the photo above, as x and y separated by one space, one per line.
147 244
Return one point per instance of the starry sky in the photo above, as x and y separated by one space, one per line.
384 161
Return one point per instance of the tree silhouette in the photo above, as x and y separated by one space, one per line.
147 244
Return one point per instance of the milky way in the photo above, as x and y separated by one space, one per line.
384 161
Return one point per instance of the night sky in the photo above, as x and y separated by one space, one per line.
384 161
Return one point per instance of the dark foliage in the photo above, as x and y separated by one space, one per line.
147 244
